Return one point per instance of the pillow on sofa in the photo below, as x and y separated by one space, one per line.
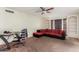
42 30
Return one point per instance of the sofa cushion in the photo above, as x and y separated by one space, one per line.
53 34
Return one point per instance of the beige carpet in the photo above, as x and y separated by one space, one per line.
45 44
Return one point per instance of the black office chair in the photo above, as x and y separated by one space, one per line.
21 36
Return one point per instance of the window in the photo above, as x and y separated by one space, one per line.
58 24
51 24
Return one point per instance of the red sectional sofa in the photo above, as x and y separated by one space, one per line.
50 32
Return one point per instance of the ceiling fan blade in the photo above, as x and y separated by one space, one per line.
49 9
43 9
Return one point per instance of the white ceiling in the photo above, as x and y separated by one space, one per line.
26 9
57 12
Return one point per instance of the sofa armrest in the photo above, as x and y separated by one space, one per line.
38 30
63 34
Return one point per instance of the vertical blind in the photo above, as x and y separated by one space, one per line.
58 24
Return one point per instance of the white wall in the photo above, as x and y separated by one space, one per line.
45 23
78 26
18 21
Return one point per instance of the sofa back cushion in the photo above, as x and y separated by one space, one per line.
57 31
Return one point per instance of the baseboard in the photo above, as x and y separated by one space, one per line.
69 38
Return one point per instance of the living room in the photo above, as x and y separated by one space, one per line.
39 29
14 19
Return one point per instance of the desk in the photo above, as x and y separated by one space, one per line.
2 36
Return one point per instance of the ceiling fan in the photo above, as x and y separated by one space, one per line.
46 10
